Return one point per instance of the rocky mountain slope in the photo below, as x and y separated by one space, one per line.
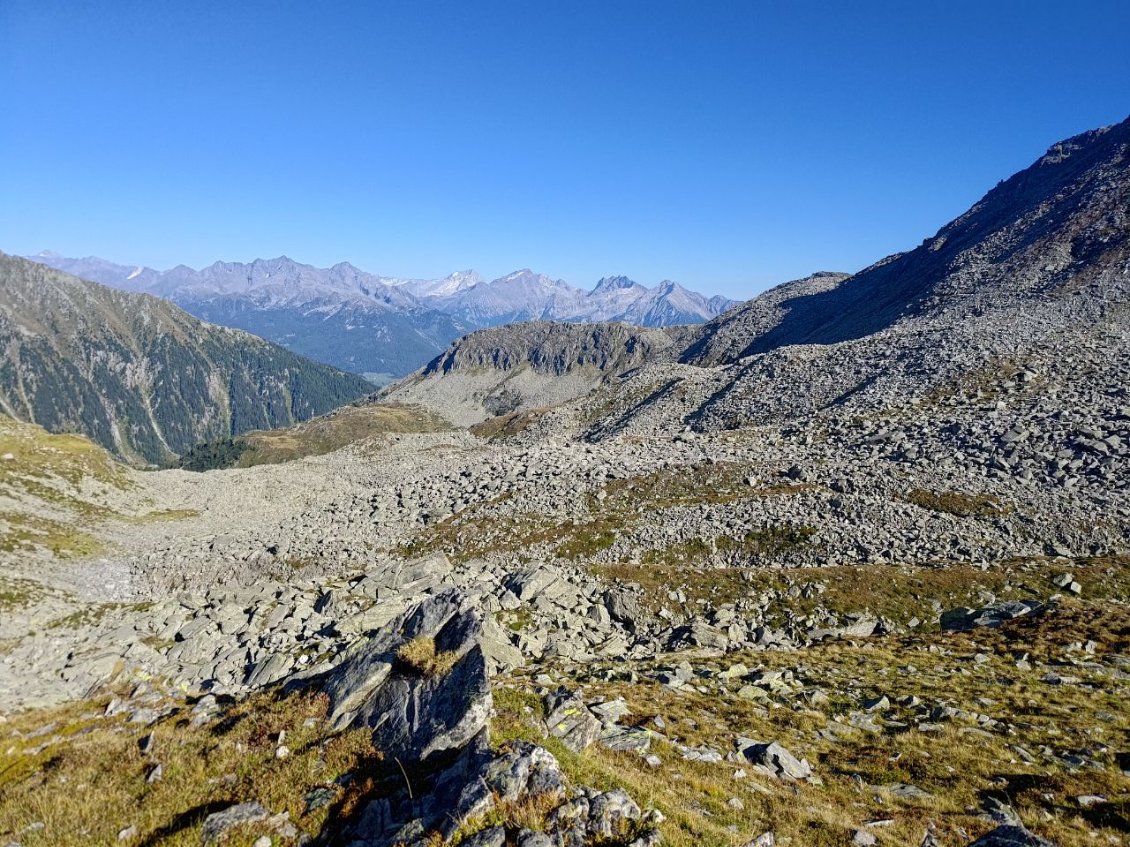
1033 279
141 377
1048 232
526 366
365 323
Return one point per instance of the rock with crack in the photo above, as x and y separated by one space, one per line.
421 683
479 786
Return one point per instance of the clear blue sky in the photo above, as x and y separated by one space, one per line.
727 145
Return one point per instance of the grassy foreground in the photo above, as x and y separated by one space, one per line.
1033 714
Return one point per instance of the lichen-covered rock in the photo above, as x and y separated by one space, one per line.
569 720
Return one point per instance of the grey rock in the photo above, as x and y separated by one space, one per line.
416 717
493 837
528 838
218 823
1010 835
626 738
611 813
570 721
776 759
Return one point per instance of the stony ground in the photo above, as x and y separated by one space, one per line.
699 596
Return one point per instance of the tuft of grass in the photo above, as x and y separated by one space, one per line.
587 540
30 453
758 545
506 426
969 758
471 534
20 531
16 593
419 657
161 515
517 620
94 615
715 483
895 592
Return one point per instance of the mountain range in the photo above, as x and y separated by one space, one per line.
369 324
140 376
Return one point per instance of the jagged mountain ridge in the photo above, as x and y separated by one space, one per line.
366 323
341 316
140 376
525 295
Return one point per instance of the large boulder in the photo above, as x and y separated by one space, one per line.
417 711
422 685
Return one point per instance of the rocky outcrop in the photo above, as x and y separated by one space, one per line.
528 365
1011 835
553 348
417 711
421 684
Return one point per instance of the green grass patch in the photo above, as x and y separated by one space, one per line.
506 426
16 593
89 784
956 503
22 532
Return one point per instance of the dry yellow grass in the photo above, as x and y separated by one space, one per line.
958 766
90 783
349 425
419 656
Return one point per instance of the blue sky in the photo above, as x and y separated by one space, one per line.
726 145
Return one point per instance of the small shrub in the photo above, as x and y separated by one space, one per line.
214 455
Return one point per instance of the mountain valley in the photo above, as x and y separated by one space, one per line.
848 564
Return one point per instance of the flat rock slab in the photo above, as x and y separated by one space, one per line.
218 823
